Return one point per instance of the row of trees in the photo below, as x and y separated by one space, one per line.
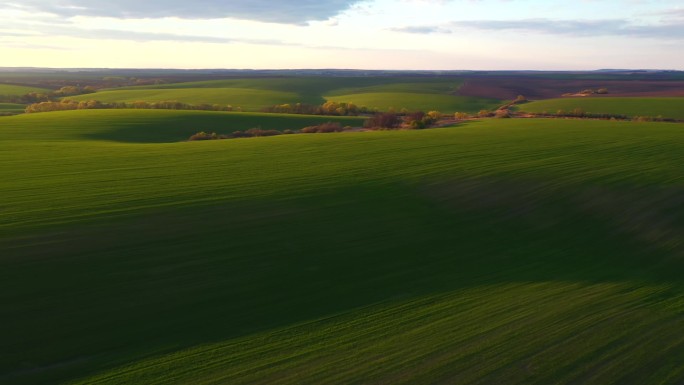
66 104
37 97
378 121
412 120
330 108
327 108
384 120
31 97
589 91
580 113
323 128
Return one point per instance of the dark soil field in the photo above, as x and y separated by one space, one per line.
544 88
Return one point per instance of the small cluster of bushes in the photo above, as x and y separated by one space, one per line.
31 97
383 120
324 128
38 97
73 91
419 120
485 114
658 118
590 91
328 127
66 104
502 113
579 113
176 105
55 106
327 108
205 136
406 120
251 133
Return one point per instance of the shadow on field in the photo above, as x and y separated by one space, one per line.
107 294
164 126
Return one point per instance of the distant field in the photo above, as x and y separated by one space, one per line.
247 99
255 94
443 86
415 101
665 107
512 251
548 86
159 126
316 86
9 89
426 96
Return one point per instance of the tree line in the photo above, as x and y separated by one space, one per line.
38 97
66 105
378 121
327 108
322 128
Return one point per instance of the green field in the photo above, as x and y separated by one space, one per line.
10 89
426 96
12 107
247 99
509 251
163 126
255 94
413 101
671 107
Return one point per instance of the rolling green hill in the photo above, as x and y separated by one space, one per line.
427 96
255 94
413 101
247 99
500 251
10 89
159 126
672 107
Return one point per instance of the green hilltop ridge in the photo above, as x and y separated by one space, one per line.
493 251
255 94
157 126
10 89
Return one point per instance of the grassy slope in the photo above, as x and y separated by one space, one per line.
509 251
665 107
415 101
254 94
412 96
247 99
313 85
10 89
156 126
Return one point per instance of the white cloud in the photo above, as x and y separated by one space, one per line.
290 12
578 28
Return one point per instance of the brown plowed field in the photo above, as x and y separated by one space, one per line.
506 88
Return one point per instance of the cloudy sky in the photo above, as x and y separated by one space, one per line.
373 34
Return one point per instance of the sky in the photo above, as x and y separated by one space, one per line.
368 34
